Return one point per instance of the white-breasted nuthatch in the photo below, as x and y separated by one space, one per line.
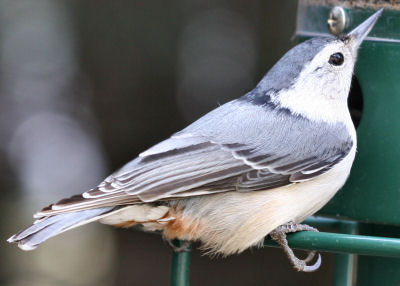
257 165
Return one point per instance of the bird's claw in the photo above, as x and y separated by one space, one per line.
279 235
184 246
301 265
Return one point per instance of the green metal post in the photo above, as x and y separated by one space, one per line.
180 266
345 268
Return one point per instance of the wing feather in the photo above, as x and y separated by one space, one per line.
208 157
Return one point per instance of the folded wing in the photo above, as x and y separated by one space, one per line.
223 151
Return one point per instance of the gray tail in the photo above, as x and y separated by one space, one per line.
47 227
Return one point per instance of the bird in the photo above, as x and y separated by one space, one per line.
258 165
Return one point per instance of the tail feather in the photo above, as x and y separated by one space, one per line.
45 228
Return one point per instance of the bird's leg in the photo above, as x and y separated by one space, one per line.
183 247
279 235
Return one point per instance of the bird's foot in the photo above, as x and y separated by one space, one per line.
279 235
180 246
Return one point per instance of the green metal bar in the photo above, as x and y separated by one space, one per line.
345 268
325 222
343 243
180 266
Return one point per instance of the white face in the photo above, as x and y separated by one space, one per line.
330 72
320 92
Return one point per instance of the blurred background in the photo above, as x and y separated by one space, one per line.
87 85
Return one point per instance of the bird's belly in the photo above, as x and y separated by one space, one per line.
231 222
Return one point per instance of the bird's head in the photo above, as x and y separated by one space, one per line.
316 74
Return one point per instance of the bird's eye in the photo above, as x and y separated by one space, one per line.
336 59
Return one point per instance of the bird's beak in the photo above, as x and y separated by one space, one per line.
361 31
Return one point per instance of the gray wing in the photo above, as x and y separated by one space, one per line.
237 147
